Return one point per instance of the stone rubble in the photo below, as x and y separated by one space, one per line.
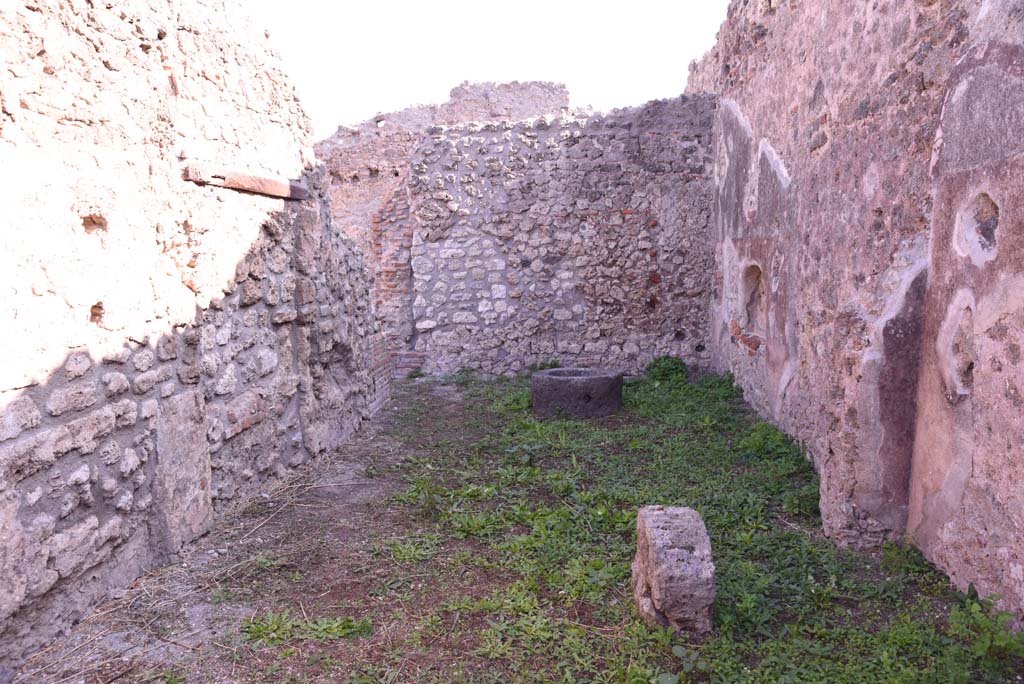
673 571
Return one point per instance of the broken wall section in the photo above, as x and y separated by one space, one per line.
171 348
580 239
867 258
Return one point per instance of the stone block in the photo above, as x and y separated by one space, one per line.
265 362
73 398
117 383
250 292
19 415
244 412
145 382
181 484
77 365
13 583
72 547
28 456
673 572
84 433
143 361
167 348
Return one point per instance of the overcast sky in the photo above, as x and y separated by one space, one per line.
351 61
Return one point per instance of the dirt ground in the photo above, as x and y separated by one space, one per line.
459 540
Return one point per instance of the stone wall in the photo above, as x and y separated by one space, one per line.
579 239
369 172
171 347
868 261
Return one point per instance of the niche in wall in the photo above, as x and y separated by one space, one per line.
956 348
753 301
977 230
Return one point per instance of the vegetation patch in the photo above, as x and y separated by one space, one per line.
489 546
551 507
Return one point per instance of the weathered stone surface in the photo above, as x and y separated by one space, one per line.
12 575
19 415
128 263
181 485
72 549
576 392
244 412
29 455
673 571
370 172
116 383
78 364
889 347
73 398
575 240
145 382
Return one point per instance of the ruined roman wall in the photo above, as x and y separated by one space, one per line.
583 239
868 261
369 171
170 347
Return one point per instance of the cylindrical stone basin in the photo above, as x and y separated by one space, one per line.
577 392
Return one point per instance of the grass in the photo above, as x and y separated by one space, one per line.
275 629
514 562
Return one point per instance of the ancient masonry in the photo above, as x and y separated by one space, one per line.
171 346
501 245
198 302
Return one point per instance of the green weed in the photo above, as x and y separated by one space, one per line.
274 629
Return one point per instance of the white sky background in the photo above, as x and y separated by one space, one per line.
351 61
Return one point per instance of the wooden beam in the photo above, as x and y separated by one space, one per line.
235 180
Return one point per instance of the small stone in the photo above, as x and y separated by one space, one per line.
117 383
210 364
123 500
422 264
285 315
250 292
126 411
223 335
33 497
244 412
148 409
129 462
143 361
426 325
79 476
85 432
119 357
673 572
265 362
167 348
150 379
78 364
227 382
